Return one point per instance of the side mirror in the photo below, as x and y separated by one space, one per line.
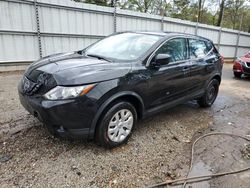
161 59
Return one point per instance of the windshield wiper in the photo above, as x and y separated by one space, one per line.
99 57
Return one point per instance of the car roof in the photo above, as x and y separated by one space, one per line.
169 34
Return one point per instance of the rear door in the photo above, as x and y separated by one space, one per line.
202 61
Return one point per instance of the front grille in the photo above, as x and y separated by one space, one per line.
246 70
38 85
248 64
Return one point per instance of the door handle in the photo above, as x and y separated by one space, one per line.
185 68
212 61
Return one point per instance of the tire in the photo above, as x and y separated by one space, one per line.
237 74
116 124
210 95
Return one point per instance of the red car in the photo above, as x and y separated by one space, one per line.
242 66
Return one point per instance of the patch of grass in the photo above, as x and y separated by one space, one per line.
246 152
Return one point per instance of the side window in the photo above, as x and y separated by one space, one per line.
209 45
176 48
197 48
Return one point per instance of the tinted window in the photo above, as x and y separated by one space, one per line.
176 48
209 45
197 48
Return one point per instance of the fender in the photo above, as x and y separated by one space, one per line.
211 77
107 102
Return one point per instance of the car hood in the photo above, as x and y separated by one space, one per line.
245 59
76 69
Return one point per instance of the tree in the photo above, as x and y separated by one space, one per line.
97 2
235 7
181 9
233 12
246 20
221 12
199 10
140 5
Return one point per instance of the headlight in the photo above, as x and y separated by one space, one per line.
60 92
240 61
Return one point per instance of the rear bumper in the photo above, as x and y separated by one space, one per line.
65 118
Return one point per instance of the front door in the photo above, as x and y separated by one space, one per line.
169 82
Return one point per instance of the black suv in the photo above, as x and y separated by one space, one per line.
101 91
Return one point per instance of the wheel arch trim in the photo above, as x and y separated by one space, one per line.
108 102
217 77
214 76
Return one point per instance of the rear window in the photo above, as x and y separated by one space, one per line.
209 45
198 48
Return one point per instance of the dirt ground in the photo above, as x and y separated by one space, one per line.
158 150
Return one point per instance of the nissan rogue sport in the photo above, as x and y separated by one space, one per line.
100 92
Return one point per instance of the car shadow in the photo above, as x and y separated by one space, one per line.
243 78
177 113
183 111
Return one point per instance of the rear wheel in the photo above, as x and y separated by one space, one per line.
210 95
237 74
116 125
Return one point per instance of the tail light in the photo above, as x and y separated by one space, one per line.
222 60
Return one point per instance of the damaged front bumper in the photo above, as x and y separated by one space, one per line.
66 118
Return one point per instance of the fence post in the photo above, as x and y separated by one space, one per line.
114 15
162 19
38 29
162 23
196 28
219 39
238 37
237 45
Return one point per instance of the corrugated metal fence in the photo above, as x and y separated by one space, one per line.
31 29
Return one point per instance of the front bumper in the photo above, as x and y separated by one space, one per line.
238 67
246 70
66 118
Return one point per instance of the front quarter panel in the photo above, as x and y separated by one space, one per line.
108 91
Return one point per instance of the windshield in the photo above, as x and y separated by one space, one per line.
125 46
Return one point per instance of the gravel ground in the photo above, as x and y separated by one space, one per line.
158 150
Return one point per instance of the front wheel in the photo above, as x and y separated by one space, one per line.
210 95
237 74
116 124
